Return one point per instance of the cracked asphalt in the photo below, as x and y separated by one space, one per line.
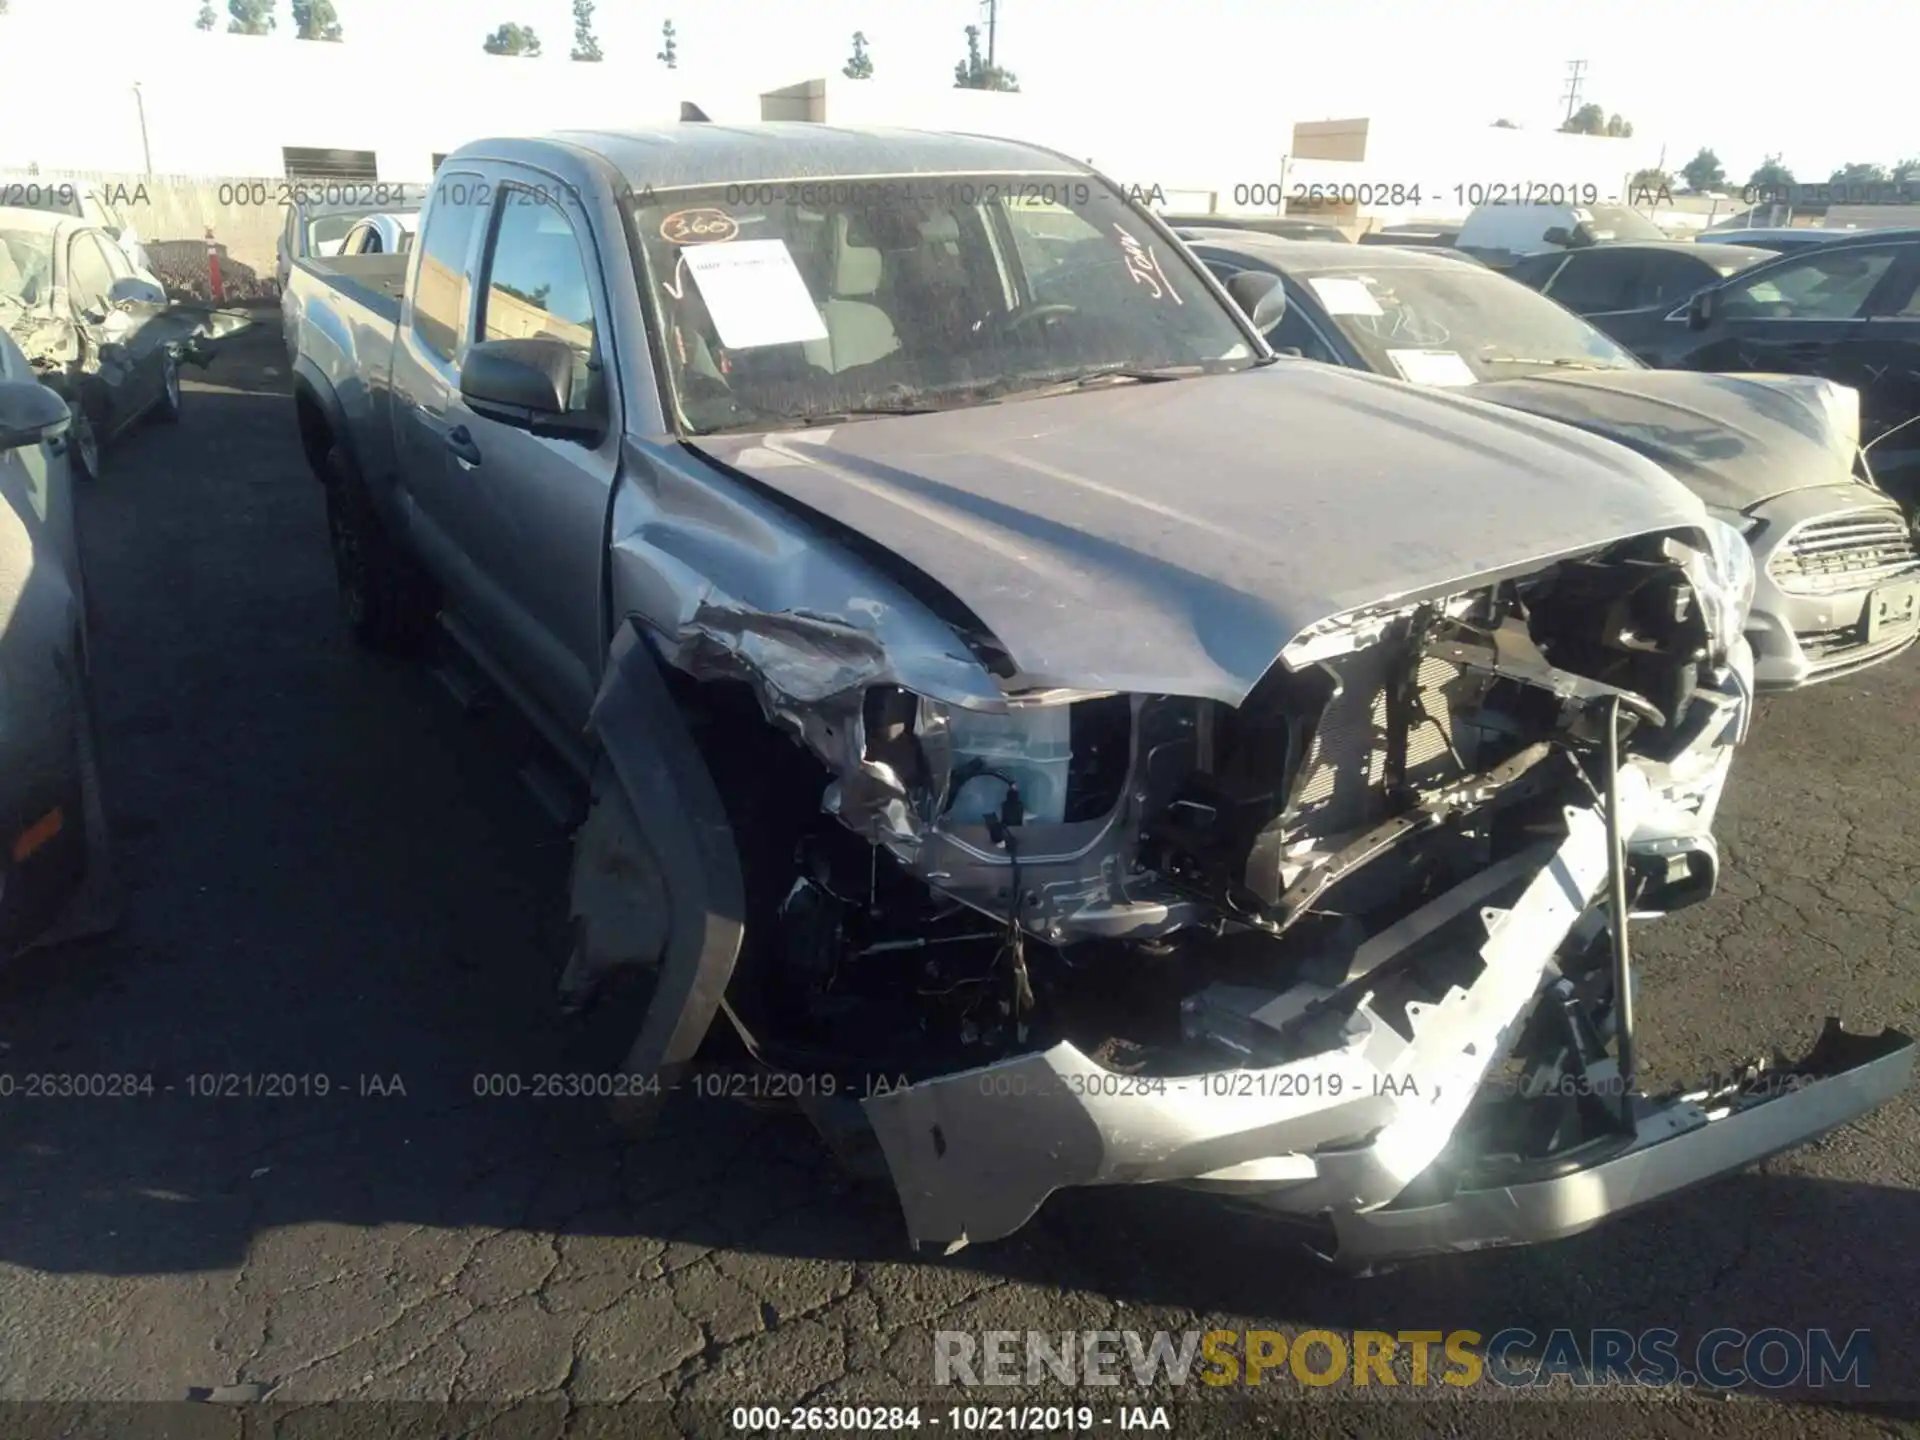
336 877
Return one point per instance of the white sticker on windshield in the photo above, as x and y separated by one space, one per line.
1432 367
754 292
1341 295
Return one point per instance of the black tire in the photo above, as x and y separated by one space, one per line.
166 410
387 600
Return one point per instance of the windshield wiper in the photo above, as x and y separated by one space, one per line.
846 413
1561 364
1067 385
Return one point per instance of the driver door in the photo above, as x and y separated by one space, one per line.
1806 316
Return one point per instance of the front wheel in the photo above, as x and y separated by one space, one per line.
387 600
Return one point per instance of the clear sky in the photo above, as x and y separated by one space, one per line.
1687 73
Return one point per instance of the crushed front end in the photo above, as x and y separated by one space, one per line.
1346 951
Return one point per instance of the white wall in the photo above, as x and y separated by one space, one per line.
224 105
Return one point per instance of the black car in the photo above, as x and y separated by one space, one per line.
1281 227
1603 281
1438 237
1848 310
1781 241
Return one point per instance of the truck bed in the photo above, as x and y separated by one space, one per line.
374 281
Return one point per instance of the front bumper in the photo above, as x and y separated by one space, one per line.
1349 1136
1676 1143
1800 638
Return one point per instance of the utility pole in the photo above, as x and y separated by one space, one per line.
993 9
1575 69
146 150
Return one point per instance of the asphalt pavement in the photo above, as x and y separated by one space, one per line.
341 896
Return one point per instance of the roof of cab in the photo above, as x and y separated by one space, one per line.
1327 254
699 152
20 217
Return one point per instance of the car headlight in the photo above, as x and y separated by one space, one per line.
1725 580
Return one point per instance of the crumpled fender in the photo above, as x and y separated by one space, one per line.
673 839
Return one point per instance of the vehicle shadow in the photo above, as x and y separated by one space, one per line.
345 921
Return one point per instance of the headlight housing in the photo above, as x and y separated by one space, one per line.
1725 580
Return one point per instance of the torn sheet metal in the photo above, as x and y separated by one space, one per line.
974 1154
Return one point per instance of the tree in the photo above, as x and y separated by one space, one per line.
1587 120
1771 175
1907 172
1504 125
669 54
1618 128
316 20
1650 180
1859 175
250 17
974 73
513 39
586 44
207 19
860 67
1703 171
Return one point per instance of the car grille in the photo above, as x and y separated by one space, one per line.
1838 554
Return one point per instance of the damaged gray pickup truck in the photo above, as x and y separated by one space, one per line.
1051 738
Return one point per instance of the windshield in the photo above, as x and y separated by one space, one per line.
26 266
1617 222
790 302
1455 324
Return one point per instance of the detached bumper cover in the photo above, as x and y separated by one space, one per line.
1362 1136
973 1155
1678 1143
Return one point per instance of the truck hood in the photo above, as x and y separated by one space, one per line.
1175 538
1736 441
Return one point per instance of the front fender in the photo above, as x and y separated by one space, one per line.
658 841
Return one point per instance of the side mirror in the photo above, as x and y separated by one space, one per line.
1261 295
132 290
1700 310
28 412
1559 235
527 384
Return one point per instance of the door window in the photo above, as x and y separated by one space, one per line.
1906 307
1826 285
1596 280
440 285
1668 278
536 284
88 276
1537 271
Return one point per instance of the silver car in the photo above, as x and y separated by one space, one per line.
1776 456
55 873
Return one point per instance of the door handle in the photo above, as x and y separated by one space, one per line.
460 441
